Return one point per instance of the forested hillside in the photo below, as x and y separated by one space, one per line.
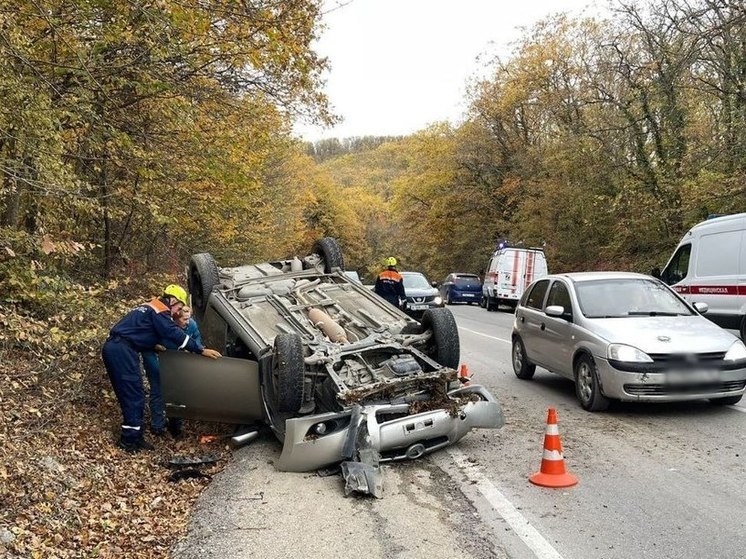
133 134
602 141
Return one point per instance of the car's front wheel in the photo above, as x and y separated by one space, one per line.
587 385
521 366
726 400
443 346
287 372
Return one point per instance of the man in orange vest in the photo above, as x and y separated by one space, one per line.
140 330
390 284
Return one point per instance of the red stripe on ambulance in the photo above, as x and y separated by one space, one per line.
529 269
710 289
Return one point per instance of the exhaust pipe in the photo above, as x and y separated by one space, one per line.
243 438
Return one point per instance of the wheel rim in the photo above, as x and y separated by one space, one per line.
585 382
517 356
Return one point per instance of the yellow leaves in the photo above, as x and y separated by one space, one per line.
47 246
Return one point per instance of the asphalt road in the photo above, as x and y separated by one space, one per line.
658 481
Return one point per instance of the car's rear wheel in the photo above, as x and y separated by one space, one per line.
522 368
726 400
483 302
443 346
203 277
330 252
449 301
587 385
493 303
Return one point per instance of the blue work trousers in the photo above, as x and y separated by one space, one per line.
122 364
153 372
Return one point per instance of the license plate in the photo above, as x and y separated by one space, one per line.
691 377
469 295
417 307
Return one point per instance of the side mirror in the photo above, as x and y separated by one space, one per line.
656 272
701 308
560 312
434 283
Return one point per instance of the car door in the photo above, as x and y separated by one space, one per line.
225 390
445 286
556 332
196 387
529 318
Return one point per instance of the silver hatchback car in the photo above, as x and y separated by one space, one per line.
625 336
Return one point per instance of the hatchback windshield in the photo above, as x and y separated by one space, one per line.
627 297
415 281
467 281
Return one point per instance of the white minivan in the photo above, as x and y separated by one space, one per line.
509 272
709 266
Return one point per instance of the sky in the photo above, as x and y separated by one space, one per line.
399 65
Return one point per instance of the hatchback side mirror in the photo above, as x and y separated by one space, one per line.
656 272
555 310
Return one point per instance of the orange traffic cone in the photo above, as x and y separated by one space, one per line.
552 473
464 376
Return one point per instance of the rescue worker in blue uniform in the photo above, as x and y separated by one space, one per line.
158 422
390 284
140 330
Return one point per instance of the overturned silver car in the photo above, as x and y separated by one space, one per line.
339 374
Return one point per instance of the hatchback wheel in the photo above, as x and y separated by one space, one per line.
587 386
521 367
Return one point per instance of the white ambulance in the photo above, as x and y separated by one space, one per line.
510 271
709 266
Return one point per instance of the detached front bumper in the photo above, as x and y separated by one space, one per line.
394 436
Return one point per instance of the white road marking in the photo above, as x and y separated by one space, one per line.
518 523
738 408
485 335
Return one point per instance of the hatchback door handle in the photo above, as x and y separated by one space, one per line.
543 326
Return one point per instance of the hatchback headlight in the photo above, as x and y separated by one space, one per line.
621 352
737 352
438 300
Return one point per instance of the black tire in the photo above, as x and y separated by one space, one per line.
287 372
330 252
483 302
743 329
493 303
522 368
443 346
726 400
203 278
448 298
587 385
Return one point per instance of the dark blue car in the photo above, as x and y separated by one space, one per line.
461 288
